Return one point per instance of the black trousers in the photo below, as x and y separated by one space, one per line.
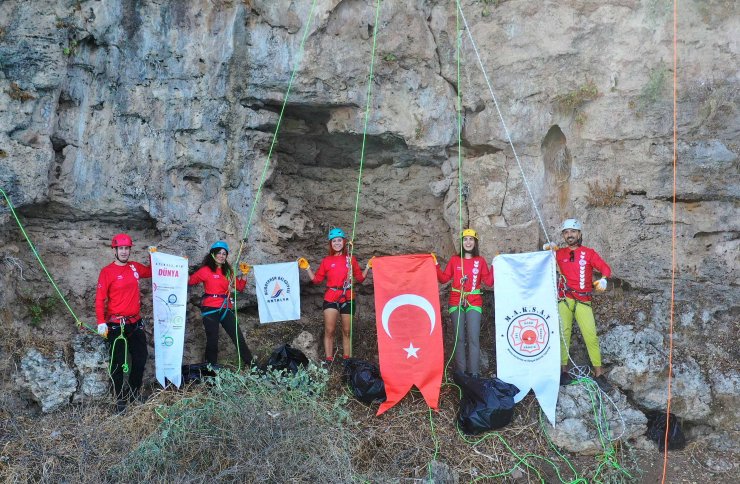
137 347
225 318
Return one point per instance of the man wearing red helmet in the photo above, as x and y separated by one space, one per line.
117 306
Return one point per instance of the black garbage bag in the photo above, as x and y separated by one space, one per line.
363 378
656 431
197 372
486 404
287 358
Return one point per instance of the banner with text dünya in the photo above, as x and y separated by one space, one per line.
278 293
528 326
169 293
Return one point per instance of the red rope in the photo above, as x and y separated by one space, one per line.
673 244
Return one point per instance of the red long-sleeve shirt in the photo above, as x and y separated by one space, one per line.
118 286
335 270
578 270
477 271
215 283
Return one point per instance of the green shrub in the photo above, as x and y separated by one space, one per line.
248 427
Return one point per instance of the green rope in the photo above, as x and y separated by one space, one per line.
458 109
124 366
43 266
362 162
264 170
275 134
435 439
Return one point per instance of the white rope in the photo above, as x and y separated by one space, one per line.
576 371
583 372
503 123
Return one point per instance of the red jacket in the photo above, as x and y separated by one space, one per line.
335 269
578 271
119 287
477 271
215 283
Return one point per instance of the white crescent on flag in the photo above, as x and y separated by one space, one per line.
410 300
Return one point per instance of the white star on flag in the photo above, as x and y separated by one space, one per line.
411 351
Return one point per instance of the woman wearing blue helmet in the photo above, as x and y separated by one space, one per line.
339 297
217 306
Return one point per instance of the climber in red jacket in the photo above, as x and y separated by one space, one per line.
576 264
217 305
468 273
118 306
339 296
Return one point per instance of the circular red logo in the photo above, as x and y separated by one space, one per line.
528 335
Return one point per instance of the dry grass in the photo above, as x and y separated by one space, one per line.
248 428
578 97
608 195
18 94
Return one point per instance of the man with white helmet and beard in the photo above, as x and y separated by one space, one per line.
576 264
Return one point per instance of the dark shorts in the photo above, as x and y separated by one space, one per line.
344 307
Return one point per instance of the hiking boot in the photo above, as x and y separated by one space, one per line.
603 384
565 379
120 406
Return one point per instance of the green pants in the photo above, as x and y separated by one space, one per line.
585 318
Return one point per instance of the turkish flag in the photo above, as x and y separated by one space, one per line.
409 327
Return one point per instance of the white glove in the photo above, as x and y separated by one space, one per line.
550 246
103 330
600 285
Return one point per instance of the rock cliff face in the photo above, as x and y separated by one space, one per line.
157 118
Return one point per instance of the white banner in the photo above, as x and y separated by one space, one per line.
169 292
278 293
528 326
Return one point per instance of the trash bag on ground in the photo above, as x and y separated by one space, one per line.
656 431
486 403
363 378
197 372
287 358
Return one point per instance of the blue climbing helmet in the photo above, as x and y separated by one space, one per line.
336 232
220 245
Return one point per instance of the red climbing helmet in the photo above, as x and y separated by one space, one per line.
121 240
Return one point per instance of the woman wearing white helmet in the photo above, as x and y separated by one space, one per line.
339 296
468 273
217 305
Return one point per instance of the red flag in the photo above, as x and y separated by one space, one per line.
409 327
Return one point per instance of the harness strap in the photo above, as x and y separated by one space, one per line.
465 308
118 320
476 291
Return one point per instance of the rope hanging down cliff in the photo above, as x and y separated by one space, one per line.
362 162
267 164
78 322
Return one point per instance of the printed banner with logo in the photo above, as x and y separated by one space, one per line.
169 293
278 293
528 326
409 327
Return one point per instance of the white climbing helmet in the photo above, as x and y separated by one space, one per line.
571 223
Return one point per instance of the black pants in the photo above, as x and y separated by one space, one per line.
225 318
137 347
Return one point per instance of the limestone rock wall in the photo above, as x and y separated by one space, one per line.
157 118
